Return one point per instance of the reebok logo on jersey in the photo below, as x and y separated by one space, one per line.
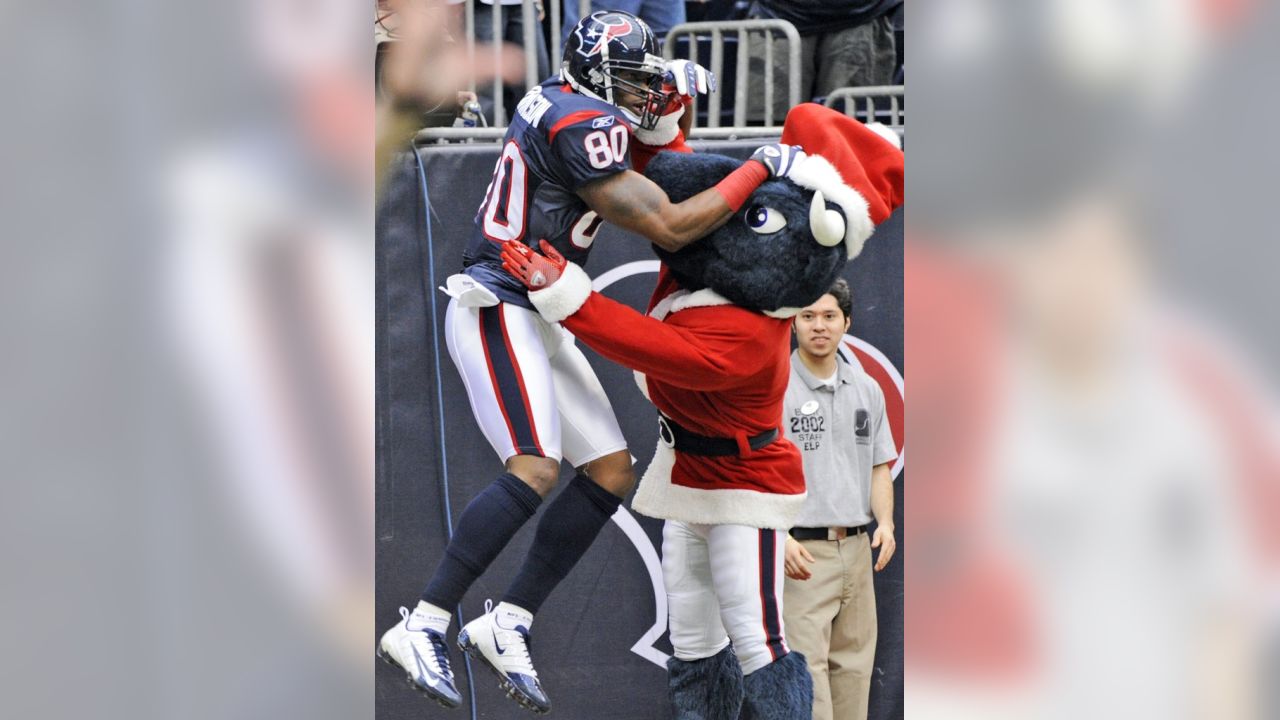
602 122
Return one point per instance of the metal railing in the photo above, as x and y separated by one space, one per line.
530 26
529 19
744 29
880 103
445 135
554 10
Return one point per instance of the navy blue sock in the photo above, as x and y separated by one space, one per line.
487 524
565 531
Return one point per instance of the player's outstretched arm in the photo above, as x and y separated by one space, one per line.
634 202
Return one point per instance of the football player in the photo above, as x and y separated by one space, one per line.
565 167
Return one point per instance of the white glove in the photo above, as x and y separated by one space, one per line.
780 159
690 78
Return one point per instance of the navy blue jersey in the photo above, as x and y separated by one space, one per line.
557 142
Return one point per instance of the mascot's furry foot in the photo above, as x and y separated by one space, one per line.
708 689
781 690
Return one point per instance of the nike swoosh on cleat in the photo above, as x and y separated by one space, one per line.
422 668
497 645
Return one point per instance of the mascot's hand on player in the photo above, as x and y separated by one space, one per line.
779 158
534 270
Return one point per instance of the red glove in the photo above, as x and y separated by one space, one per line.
534 270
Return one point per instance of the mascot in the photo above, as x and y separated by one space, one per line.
713 356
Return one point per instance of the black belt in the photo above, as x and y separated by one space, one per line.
821 533
691 443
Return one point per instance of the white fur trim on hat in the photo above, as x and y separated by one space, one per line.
666 131
563 297
817 173
658 497
887 133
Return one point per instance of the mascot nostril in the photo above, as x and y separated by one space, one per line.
713 356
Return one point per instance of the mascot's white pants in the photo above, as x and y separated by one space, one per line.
724 582
531 389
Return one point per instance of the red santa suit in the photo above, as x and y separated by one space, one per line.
719 372
727 380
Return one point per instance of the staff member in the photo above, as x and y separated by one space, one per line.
835 414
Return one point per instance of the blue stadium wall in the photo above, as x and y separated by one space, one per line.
599 638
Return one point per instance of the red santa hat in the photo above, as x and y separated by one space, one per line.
858 167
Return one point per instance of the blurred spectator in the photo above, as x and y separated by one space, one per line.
846 44
716 10
511 30
899 20
421 69
1097 457
661 15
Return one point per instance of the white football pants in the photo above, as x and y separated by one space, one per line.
531 389
724 583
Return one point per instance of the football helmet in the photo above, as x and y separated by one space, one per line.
605 45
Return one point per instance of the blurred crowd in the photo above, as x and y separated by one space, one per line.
853 44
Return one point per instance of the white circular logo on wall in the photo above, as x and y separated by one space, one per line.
875 364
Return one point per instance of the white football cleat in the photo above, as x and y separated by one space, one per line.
424 655
500 639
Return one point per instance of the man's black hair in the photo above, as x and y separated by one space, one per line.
844 298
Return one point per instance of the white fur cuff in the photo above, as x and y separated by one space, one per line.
563 297
658 497
666 131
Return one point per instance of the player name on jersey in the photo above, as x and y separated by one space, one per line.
533 106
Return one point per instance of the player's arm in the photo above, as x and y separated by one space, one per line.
686 122
635 203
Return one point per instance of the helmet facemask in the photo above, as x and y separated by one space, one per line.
602 48
649 90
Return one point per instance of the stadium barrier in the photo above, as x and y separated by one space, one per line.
724 47
709 38
881 103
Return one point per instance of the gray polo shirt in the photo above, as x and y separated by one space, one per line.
842 432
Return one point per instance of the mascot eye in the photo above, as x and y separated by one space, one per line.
765 220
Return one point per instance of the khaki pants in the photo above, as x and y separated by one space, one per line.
831 618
